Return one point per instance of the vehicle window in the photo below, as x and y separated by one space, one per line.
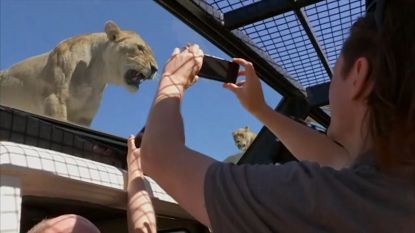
31 28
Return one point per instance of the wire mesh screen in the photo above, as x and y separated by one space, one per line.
229 5
18 127
331 21
283 37
284 40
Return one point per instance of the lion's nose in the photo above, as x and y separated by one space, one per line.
153 70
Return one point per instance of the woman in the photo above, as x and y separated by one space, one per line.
364 185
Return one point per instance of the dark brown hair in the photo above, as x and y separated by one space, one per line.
390 51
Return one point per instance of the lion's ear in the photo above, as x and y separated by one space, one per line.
246 128
112 30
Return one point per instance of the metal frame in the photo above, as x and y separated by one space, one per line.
268 8
222 31
44 132
221 36
313 39
307 55
318 95
261 10
267 148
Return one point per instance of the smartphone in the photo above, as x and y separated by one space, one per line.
219 69
139 137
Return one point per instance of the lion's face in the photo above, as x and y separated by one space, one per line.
133 57
243 138
138 59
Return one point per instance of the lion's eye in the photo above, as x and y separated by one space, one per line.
140 48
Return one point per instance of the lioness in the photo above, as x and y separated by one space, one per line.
67 83
243 138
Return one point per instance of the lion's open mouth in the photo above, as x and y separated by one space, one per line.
134 77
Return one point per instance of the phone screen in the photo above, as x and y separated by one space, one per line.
219 69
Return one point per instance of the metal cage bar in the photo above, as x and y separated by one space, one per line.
261 10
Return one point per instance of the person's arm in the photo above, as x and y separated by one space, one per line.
303 142
165 157
140 211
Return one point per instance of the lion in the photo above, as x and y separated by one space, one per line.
243 138
68 82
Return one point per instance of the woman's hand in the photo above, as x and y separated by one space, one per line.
140 211
182 67
248 91
133 155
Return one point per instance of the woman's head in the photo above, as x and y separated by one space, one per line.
389 88
67 223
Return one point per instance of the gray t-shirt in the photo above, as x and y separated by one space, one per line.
304 197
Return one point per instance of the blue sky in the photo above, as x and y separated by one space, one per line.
211 113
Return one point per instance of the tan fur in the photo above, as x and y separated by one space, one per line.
67 83
243 138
